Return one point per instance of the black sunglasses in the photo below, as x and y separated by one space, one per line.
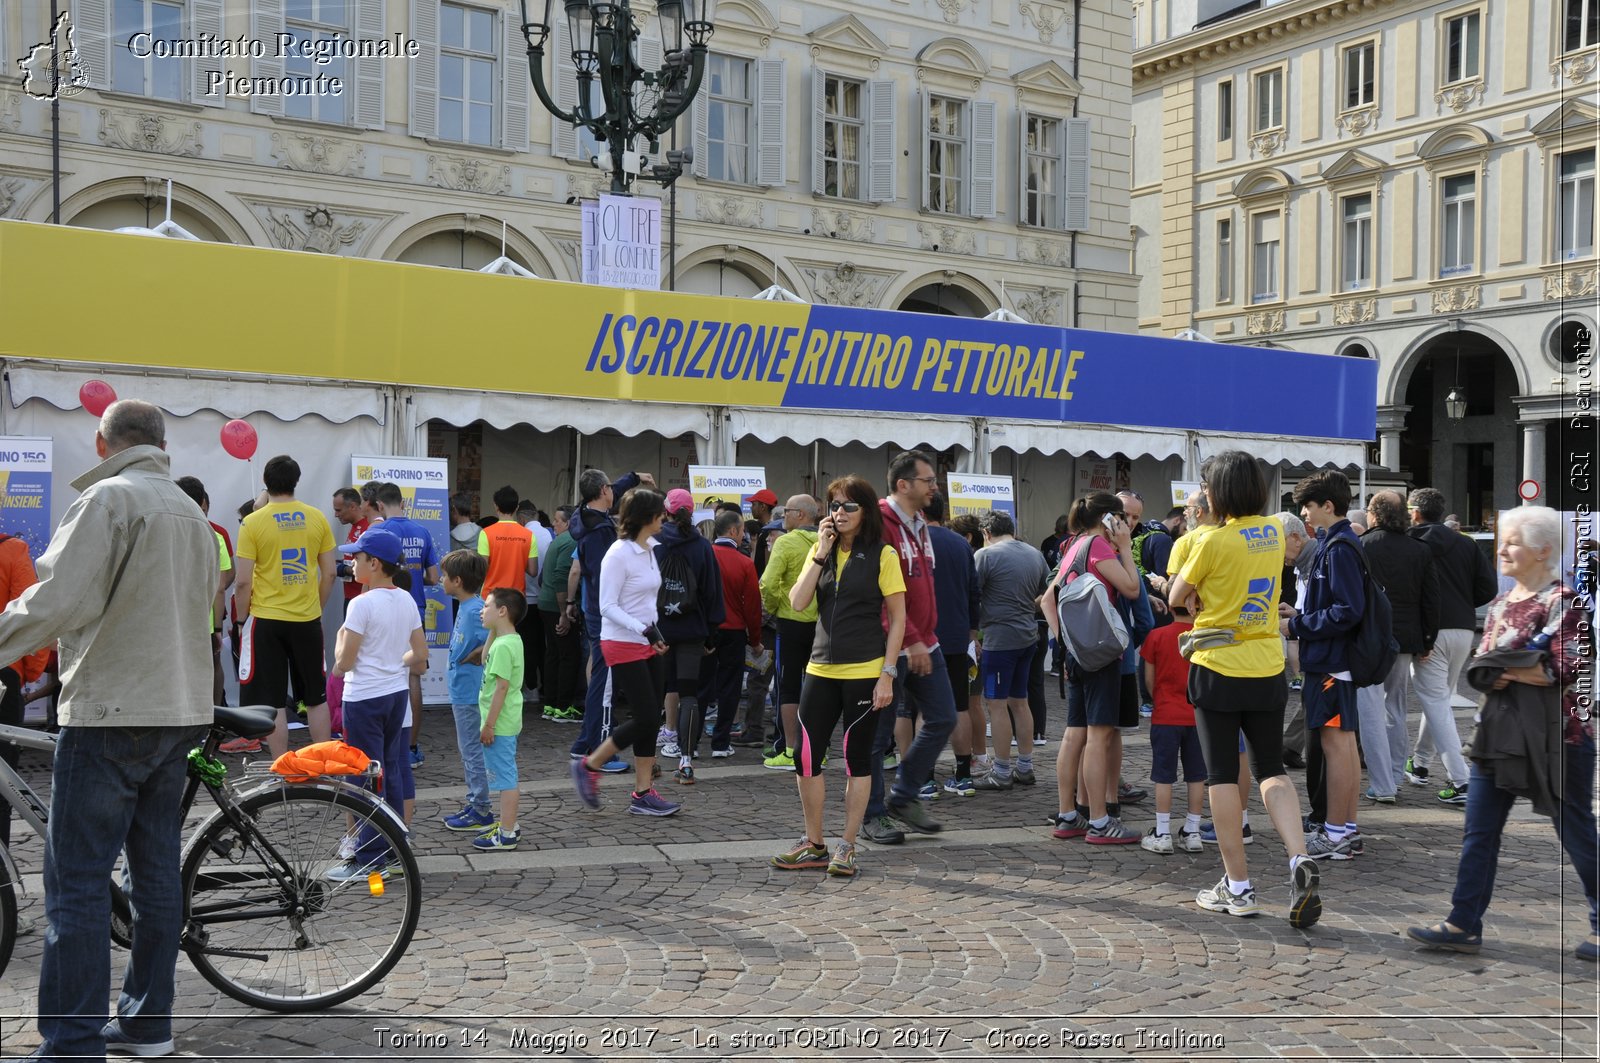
848 507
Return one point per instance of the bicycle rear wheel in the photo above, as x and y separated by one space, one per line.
265 921
9 901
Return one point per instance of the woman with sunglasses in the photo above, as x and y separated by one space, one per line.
855 578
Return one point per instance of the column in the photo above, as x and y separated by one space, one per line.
1533 460
1391 422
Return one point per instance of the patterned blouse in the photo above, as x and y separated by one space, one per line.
1513 625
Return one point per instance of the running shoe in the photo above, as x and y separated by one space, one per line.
651 803
684 776
1305 907
913 817
355 871
667 744
1131 795
1073 826
843 864
1453 794
1355 846
719 754
1113 833
1442 937
615 766
1189 841
550 713
240 745
1382 799
890 760
1208 834
803 855
881 831
1039 740
779 762
929 791
1415 774
587 782
1147 710
496 841
1297 683
417 757
119 1042
992 780
469 819
962 787
1320 847
711 724
571 714
347 846
1024 777
1220 898
1156 843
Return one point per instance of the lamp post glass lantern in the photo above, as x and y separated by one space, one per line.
636 104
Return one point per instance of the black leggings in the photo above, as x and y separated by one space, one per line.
1219 728
823 703
638 685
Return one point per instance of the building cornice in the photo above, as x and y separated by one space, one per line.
1269 27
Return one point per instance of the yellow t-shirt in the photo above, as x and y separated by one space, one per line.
1185 546
224 564
890 581
1237 570
284 539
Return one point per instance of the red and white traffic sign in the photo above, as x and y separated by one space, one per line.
1528 490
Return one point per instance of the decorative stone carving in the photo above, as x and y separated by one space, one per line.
1047 20
1575 68
1042 306
1037 252
573 250
728 210
1455 299
310 153
952 9
11 190
1357 122
588 187
317 229
845 285
1459 97
1264 322
1268 144
841 224
147 131
10 111
1572 283
1355 311
951 239
466 174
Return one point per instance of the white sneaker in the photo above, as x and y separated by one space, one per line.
1156 843
718 754
1220 898
667 744
1190 841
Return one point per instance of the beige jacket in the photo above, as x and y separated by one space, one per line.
126 586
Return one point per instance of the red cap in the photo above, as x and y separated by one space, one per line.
765 497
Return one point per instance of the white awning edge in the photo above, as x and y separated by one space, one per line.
550 412
181 392
1080 439
873 430
1286 450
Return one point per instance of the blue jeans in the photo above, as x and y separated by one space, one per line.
1487 809
936 704
594 730
469 725
113 789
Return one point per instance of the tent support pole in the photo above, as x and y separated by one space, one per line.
577 462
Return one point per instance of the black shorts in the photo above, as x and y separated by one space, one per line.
1329 702
1128 701
1230 707
959 665
794 653
1170 743
1093 698
277 656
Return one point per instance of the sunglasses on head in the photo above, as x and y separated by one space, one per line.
848 507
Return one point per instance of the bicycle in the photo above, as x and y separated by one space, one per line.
297 894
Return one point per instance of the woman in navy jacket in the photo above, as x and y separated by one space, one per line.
689 615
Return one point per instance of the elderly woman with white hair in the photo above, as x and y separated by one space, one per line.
1536 614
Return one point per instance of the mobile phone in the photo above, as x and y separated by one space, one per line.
1110 522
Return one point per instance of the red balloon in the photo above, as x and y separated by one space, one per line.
239 439
96 395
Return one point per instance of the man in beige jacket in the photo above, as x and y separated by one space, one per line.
126 586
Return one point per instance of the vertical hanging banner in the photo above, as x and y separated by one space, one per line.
25 471
622 242
425 482
977 493
710 484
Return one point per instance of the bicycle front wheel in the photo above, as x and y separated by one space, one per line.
307 904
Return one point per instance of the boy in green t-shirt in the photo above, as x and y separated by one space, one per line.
501 712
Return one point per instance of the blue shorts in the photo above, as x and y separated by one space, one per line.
500 763
1329 702
1169 742
1005 672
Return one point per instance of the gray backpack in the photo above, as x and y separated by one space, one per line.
1091 627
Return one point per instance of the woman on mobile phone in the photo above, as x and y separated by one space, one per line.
1101 543
855 578
632 645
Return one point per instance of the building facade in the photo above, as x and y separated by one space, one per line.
1410 182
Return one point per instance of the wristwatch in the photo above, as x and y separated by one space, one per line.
890 670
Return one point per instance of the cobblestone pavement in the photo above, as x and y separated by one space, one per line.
611 937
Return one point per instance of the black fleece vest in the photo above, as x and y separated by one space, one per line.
850 610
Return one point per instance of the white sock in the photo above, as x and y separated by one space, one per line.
1334 831
1163 822
1349 829
1245 818
1191 822
1101 822
1238 887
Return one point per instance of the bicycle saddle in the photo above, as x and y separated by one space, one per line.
247 721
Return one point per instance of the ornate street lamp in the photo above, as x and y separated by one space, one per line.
637 102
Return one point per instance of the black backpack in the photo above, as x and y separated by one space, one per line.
1373 649
680 589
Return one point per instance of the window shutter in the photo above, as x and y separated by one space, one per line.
205 20
819 82
563 135
880 141
1022 167
369 72
514 115
700 133
924 134
425 69
91 33
266 22
650 55
1075 173
984 120
772 96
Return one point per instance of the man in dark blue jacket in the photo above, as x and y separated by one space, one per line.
955 584
593 532
1334 603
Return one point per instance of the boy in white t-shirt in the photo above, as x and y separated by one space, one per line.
379 648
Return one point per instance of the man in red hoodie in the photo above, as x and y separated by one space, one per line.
923 676
741 627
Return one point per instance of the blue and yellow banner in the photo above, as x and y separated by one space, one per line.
978 493
25 474
325 317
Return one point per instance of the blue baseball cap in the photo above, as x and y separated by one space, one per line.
375 542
